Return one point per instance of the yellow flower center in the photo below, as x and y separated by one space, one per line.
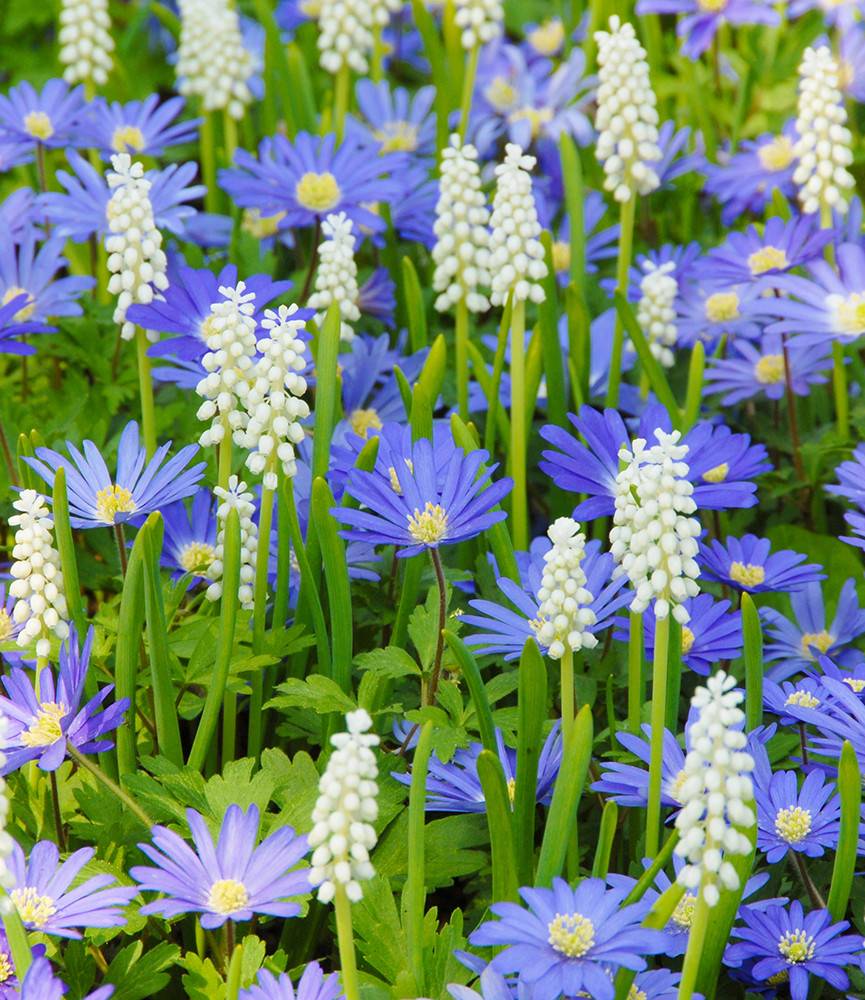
796 946
779 978
364 421
33 908
501 94
7 969
849 313
717 474
6 625
395 484
777 154
127 139
512 790
227 896
802 698
822 640
311 8
687 640
26 311
548 37
675 787
196 557
38 124
635 994
769 370
260 226
113 500
768 258
317 192
722 306
683 915
45 729
846 74
561 255
397 137
712 6
572 934
536 117
429 525
793 824
747 574
856 684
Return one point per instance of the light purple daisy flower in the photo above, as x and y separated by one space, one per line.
40 983
14 153
700 21
755 369
17 213
48 117
313 985
12 325
707 311
760 254
748 564
144 128
834 11
394 119
24 269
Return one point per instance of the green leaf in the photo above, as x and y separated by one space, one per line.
66 550
752 635
654 372
474 682
694 394
423 628
499 821
532 709
318 693
606 835
326 389
378 933
338 585
138 974
391 662
202 980
129 625
433 372
414 304
548 318
850 790
414 893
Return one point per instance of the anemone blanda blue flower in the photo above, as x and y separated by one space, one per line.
454 786
721 463
839 716
190 535
14 153
755 369
677 156
747 179
700 21
759 254
393 119
566 940
628 784
311 177
312 985
42 726
17 214
97 499
832 10
376 297
501 630
600 243
681 255
49 117
40 983
42 895
786 698
428 503
748 564
31 270
232 879
413 213
545 39
493 986
145 127
786 941
13 326
852 58
706 311
851 478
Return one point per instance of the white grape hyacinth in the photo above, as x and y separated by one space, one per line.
336 277
627 115
85 41
564 611
461 252
479 21
7 879
345 35
342 834
823 149
656 310
716 791
136 259
230 334
273 401
212 61
654 537
37 579
516 252
238 498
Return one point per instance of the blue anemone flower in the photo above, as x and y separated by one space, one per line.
12 325
761 254
49 117
18 214
565 941
785 699
140 487
393 119
24 269
748 564
145 128
756 369
14 153
312 985
493 986
700 21
190 535
707 311
40 983
628 784
427 504
790 818
840 716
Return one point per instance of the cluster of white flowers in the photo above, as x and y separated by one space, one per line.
336 277
272 402
229 332
136 259
7 879
627 117
342 834
37 580
345 34
716 790
479 21
212 61
516 253
654 538
564 613
238 498
823 148
461 253
85 41
656 310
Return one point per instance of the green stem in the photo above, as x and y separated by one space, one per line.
340 100
415 887
635 672
259 621
145 389
468 89
623 264
519 496
207 143
440 640
122 797
345 938
235 970
659 708
462 358
377 68
230 136
696 941
566 665
16 935
224 473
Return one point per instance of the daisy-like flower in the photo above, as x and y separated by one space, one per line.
790 818
701 19
312 985
628 784
425 505
40 983
566 940
708 311
28 270
755 369
45 902
785 699
786 945
310 177
11 327
834 11
454 787
145 128
190 536
394 119
748 564
49 118
232 879
97 499
491 986
761 254
41 726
